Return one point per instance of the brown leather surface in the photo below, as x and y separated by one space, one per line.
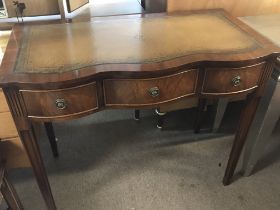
66 47
267 25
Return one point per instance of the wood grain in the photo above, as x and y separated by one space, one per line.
234 7
42 103
135 92
220 81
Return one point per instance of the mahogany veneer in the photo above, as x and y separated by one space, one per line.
139 92
222 81
61 71
43 104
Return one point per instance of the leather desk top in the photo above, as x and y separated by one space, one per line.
267 25
66 47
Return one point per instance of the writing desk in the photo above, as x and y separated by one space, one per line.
64 71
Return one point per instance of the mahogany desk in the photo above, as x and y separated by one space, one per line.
64 71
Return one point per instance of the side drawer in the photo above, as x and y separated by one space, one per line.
48 104
144 92
223 81
7 126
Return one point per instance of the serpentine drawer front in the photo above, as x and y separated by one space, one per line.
144 92
61 102
222 81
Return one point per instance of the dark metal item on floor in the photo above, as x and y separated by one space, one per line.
160 119
118 71
137 114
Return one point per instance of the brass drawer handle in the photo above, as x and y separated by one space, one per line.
60 103
154 92
236 81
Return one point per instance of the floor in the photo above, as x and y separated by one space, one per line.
108 161
98 8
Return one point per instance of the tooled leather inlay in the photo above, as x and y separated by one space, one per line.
57 48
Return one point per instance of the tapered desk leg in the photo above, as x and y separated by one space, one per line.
28 138
51 137
246 119
31 146
264 122
10 195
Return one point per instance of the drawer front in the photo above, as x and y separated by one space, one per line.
223 81
3 103
7 126
144 92
59 103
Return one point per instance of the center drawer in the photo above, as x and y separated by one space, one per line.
151 91
48 104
